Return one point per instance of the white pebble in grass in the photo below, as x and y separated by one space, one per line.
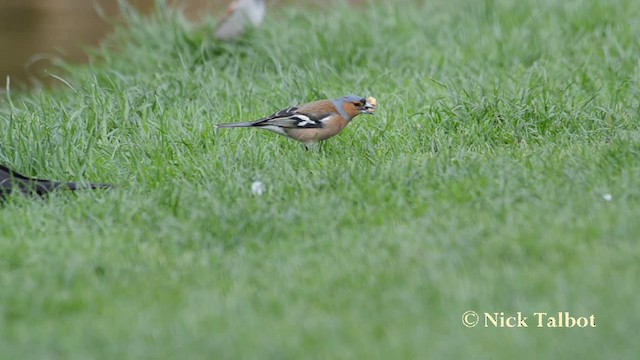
607 197
257 188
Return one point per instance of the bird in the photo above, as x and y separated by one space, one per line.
10 181
312 122
240 15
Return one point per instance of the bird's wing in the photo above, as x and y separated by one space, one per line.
292 118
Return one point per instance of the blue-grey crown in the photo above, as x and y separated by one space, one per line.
350 98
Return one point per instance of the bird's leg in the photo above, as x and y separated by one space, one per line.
311 145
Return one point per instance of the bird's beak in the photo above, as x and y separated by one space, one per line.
368 109
370 106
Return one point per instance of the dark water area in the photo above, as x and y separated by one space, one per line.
33 32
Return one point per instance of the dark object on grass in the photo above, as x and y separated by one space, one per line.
14 181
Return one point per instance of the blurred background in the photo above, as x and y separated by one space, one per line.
32 32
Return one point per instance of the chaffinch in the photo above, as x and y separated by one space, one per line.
11 180
314 121
240 15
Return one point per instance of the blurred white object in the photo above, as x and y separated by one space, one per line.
240 15
607 197
257 188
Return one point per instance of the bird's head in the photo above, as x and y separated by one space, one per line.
352 105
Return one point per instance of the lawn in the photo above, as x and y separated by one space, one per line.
501 173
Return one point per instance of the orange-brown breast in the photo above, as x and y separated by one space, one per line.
332 127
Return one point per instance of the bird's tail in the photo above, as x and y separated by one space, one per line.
236 125
42 187
78 186
11 180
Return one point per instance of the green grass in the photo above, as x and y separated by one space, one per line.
479 185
